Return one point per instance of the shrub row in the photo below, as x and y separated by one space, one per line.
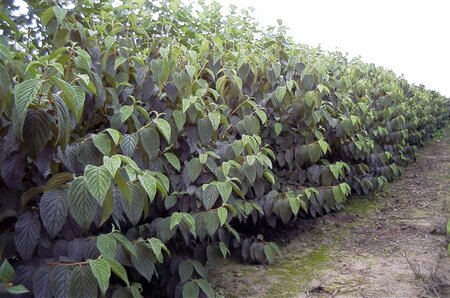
141 141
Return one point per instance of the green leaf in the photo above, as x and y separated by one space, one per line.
175 219
225 190
314 152
205 130
24 94
17 289
107 245
185 270
223 214
278 127
157 246
280 92
119 61
7 272
173 160
103 143
9 21
109 42
190 222
150 140
60 13
112 164
125 243
98 181
448 227
191 290
214 117
82 283
118 270
210 195
212 222
125 113
148 182
80 97
102 272
180 119
128 144
115 135
67 93
194 168
269 252
324 146
338 194
164 128
206 288
82 204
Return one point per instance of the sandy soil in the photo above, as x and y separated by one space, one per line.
392 244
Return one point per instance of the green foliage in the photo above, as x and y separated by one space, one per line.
143 138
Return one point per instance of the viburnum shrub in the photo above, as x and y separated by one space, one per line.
140 141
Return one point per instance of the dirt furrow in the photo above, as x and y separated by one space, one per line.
392 244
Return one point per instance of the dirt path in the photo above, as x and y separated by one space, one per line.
388 245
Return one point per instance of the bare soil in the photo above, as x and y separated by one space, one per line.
392 244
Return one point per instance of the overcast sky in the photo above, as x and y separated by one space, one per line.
409 37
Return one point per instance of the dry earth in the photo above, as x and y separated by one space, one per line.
392 244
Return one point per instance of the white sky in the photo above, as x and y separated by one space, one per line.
409 37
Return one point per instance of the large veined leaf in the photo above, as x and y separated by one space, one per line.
194 168
98 180
107 245
102 272
134 209
27 230
205 130
53 209
112 164
37 131
118 270
60 280
83 283
210 195
173 160
41 282
164 128
103 143
144 262
150 140
148 182
185 270
24 94
191 289
82 204
128 144
64 124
